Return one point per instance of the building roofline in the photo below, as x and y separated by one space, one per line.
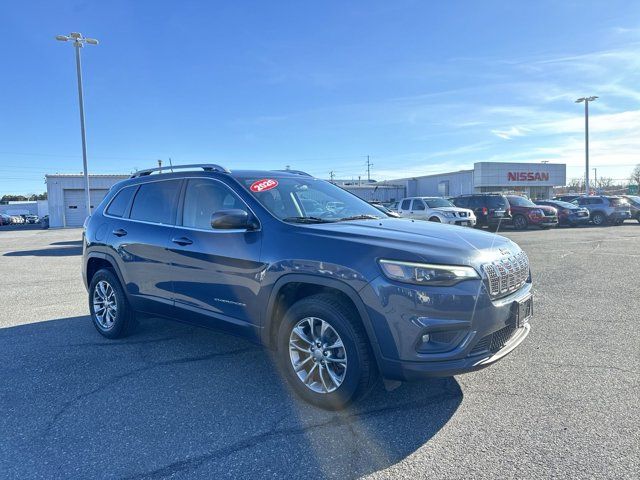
432 175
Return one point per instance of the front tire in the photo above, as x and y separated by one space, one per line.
520 222
324 353
598 219
110 311
435 219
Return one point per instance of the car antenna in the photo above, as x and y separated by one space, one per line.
170 165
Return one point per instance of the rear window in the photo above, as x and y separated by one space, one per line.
616 202
520 202
495 201
155 202
120 202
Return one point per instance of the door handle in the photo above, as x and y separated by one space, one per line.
119 232
182 241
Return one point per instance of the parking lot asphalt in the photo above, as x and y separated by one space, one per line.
176 401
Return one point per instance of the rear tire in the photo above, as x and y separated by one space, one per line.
307 339
110 310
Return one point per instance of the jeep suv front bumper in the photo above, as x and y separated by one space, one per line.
438 331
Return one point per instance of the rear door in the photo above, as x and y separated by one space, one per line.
216 273
140 238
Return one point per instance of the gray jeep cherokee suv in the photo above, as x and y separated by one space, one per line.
342 292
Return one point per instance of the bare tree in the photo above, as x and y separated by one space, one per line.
634 179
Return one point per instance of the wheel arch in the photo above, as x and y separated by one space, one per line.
97 261
292 287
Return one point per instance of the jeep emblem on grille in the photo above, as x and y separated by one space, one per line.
504 251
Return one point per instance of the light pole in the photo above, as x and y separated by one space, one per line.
78 42
586 101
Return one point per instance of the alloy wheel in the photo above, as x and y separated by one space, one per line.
317 355
105 304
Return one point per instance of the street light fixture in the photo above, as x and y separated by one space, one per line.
78 42
586 101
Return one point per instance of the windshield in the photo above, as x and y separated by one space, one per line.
308 200
438 202
521 202
564 205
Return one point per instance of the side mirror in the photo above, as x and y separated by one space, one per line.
233 219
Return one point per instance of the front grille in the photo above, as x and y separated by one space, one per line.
494 341
507 274
548 213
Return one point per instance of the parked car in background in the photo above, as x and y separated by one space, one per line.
436 209
566 198
5 219
634 205
492 210
605 210
384 209
393 206
44 221
31 219
17 219
526 213
568 214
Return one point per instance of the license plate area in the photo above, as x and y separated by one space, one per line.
523 311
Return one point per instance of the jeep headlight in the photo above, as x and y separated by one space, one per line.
426 273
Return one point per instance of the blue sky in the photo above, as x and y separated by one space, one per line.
419 86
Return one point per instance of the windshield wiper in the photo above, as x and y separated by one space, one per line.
358 217
305 220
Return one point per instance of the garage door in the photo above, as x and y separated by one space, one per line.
74 205
96 197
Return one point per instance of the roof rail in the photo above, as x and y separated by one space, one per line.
207 167
295 172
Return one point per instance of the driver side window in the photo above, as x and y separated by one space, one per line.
203 198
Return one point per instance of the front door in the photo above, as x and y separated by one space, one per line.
216 273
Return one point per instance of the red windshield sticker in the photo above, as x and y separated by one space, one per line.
263 185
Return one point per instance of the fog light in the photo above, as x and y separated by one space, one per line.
425 338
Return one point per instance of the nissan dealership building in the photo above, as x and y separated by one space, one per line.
536 180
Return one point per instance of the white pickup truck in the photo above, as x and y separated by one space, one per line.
436 209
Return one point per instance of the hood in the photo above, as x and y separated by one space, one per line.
417 240
547 208
451 209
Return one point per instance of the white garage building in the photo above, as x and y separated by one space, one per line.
67 205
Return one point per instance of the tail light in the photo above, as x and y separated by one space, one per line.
484 210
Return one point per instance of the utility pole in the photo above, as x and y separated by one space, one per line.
159 166
586 101
78 43
331 175
369 165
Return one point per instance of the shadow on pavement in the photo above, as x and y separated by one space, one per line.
68 242
47 252
179 401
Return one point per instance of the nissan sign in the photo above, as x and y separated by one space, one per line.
528 176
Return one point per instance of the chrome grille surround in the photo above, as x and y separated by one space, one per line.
507 274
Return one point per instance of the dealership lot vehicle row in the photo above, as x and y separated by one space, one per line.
179 401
